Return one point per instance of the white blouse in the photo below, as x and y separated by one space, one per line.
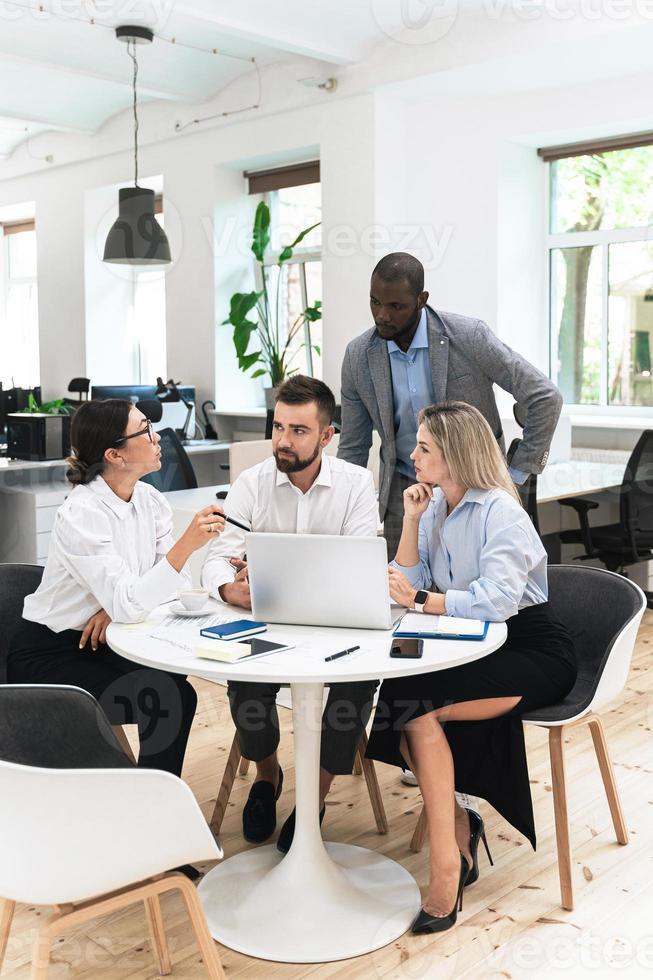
106 553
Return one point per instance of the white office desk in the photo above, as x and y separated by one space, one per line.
579 477
319 902
32 491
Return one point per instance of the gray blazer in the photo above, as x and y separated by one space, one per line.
466 360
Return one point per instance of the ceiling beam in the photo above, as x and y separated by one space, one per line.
268 32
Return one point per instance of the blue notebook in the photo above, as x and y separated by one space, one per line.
234 631
428 627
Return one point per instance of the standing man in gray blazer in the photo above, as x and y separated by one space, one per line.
416 356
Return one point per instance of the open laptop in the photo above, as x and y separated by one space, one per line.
320 580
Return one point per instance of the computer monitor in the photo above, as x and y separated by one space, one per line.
174 414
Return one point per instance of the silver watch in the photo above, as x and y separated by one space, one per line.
420 600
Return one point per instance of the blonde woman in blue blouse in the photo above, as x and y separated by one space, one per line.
469 549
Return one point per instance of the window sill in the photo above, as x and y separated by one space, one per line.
611 421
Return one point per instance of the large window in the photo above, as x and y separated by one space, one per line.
601 277
19 326
291 210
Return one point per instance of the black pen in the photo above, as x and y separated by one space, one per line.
343 653
232 520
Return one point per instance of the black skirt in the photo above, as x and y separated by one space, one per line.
536 662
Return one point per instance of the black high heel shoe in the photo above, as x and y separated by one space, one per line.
476 832
425 922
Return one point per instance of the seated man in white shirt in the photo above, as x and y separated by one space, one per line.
303 490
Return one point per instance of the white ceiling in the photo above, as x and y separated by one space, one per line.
60 71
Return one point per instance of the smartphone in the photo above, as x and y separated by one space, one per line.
258 646
407 648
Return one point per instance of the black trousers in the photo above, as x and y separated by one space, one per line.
347 711
161 704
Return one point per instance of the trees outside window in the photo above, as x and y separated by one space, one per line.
601 277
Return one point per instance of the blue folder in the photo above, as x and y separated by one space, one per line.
440 636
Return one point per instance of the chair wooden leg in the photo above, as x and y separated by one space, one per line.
119 732
607 774
158 935
243 768
6 918
358 764
372 787
556 751
205 941
41 953
419 834
226 786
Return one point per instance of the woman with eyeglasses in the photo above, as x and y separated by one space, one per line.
112 557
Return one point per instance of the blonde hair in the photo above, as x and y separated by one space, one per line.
469 447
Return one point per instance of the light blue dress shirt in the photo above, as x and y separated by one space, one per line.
413 390
412 385
486 556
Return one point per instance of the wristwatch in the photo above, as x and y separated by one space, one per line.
420 598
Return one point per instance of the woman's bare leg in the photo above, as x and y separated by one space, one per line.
426 750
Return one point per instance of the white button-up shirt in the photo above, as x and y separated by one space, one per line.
106 553
340 501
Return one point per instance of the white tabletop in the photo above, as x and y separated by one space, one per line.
304 663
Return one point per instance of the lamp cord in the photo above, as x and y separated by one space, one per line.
131 51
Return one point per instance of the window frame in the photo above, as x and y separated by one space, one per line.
7 231
301 256
602 238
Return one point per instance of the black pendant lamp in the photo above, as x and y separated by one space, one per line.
136 237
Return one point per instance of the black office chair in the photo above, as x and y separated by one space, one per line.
631 540
176 471
16 582
78 386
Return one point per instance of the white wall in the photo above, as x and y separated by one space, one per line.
454 180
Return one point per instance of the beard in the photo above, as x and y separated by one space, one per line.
293 463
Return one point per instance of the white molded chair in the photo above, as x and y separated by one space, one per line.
248 453
95 834
602 611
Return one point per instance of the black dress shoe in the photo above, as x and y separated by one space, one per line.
287 832
426 923
189 871
476 833
260 813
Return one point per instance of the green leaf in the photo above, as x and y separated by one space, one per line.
259 373
261 231
242 333
313 313
240 306
246 361
317 350
287 252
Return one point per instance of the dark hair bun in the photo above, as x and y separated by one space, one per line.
77 472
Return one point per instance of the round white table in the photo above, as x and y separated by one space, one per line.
322 901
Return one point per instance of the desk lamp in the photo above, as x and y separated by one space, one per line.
168 392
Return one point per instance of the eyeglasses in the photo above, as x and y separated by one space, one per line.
148 431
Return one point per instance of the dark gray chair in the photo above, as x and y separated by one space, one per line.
176 471
56 727
16 582
602 611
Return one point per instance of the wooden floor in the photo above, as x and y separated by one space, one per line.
511 926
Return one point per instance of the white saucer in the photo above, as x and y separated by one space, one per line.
180 610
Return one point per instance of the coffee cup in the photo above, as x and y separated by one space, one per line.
193 599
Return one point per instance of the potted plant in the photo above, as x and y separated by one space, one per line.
259 313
